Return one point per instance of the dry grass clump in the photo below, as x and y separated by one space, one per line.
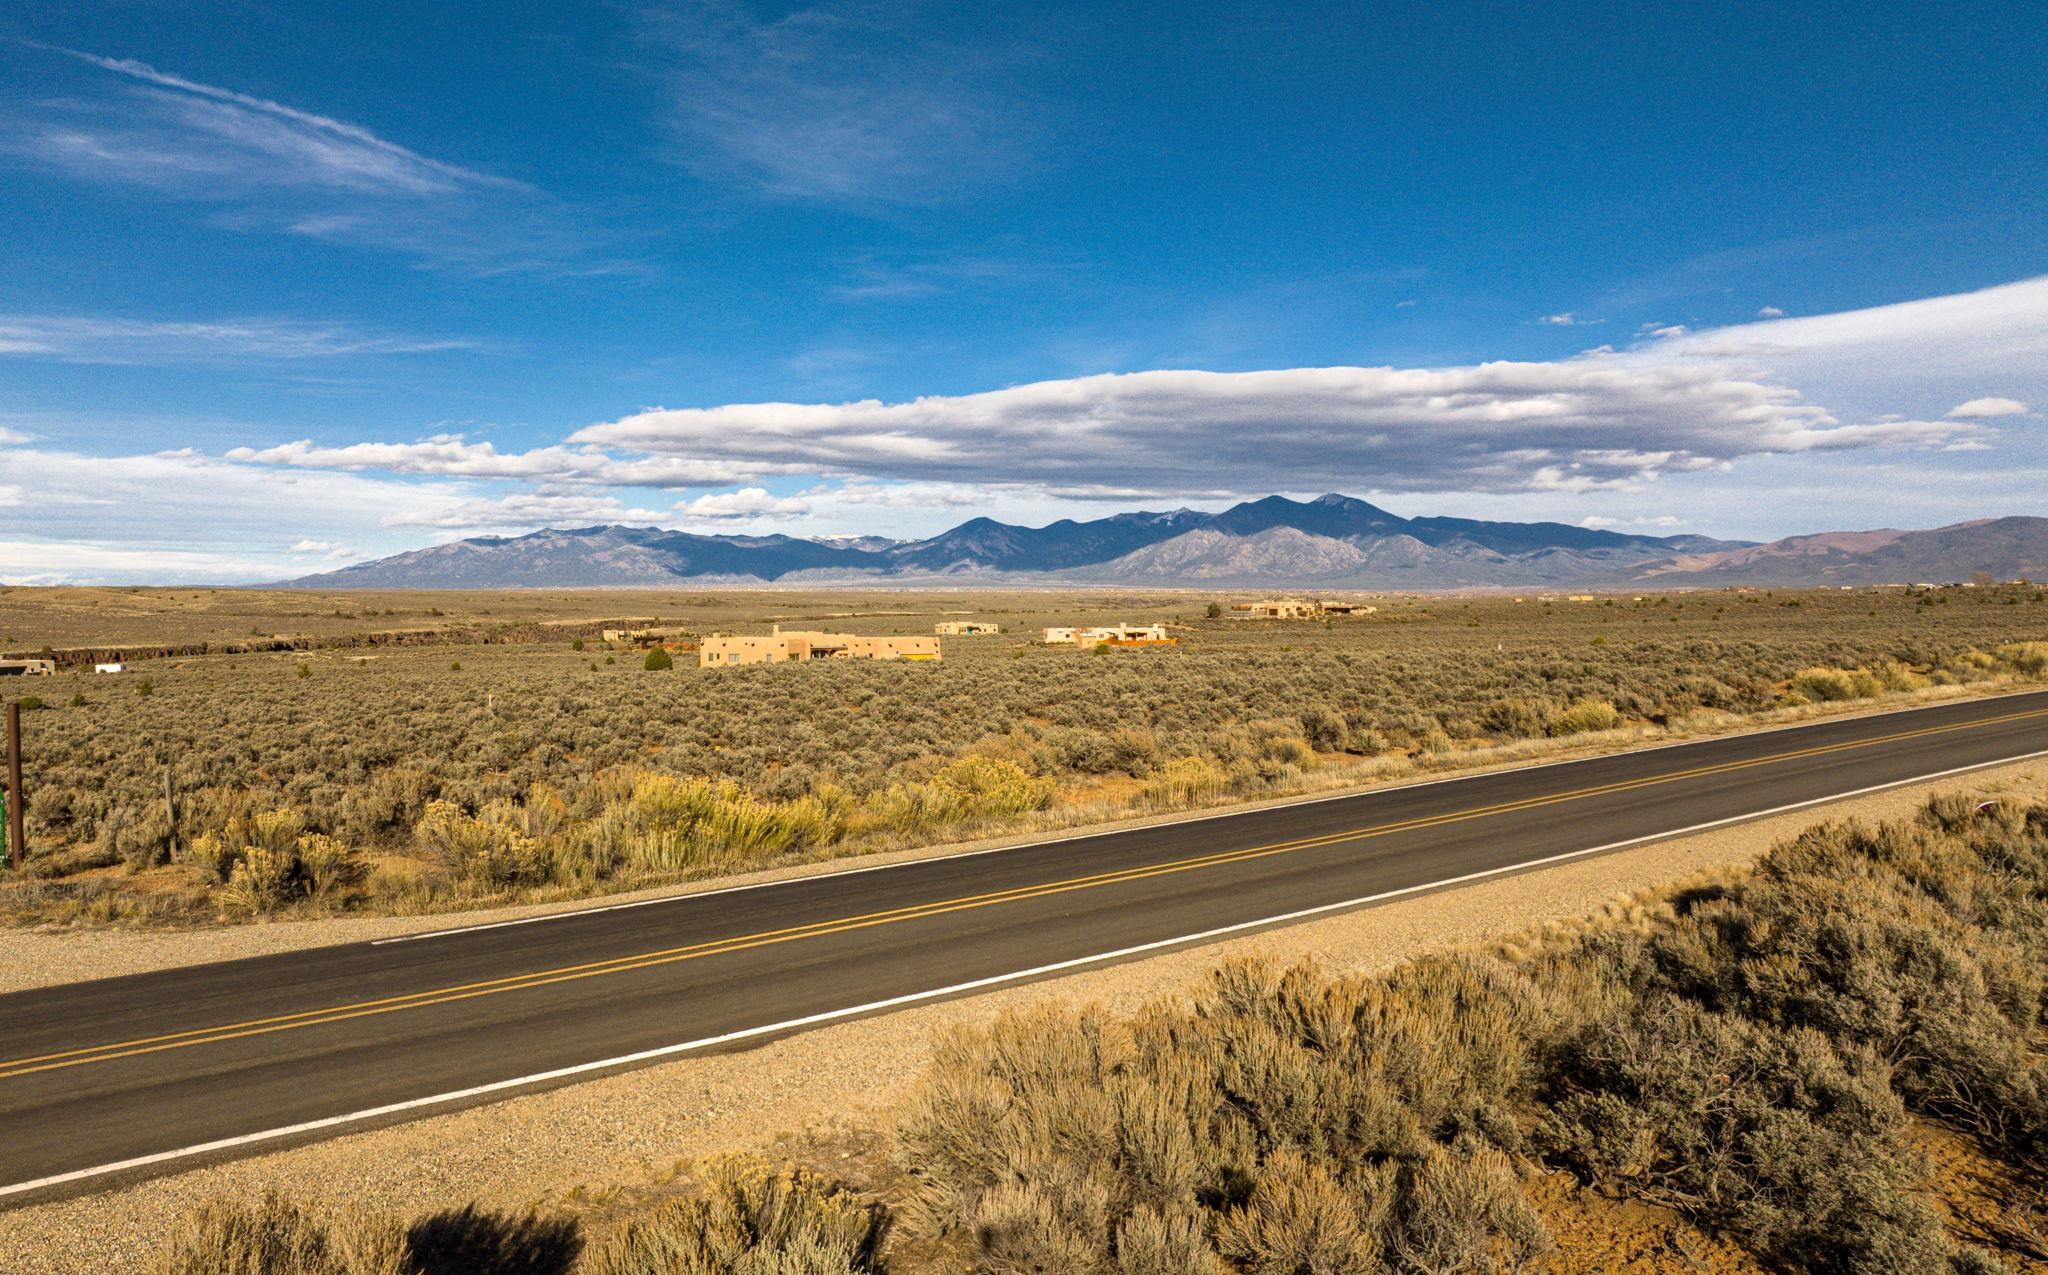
749 1218
744 1216
275 1236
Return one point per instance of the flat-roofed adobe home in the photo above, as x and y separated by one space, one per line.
778 647
1111 635
965 628
1278 609
27 668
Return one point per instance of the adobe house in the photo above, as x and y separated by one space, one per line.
1111 635
27 668
1277 609
965 628
778 647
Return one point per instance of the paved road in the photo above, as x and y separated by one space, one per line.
123 1077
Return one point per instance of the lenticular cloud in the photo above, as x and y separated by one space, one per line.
1582 424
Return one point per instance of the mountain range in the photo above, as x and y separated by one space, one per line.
1330 542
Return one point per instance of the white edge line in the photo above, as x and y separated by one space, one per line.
1187 819
912 998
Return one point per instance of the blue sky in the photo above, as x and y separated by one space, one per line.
287 284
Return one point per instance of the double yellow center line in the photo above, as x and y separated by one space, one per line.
718 947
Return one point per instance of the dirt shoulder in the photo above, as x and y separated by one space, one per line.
45 957
576 1144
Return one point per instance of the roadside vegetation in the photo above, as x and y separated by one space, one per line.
1765 1057
521 767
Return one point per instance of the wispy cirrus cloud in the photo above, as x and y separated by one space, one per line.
88 339
263 164
842 102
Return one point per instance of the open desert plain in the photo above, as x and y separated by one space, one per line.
827 637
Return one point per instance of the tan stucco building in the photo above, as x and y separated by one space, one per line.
778 647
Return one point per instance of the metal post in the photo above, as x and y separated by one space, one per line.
17 801
170 810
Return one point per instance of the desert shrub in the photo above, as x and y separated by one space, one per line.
489 849
1324 729
672 824
1585 715
657 660
1922 944
1825 684
1519 718
968 789
1300 1121
1769 1133
1183 782
2029 658
749 1218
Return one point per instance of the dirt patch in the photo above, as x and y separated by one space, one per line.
1597 1235
1986 1200
623 1134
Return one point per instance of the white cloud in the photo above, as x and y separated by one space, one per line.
1574 425
1770 312
331 550
451 456
527 511
12 437
840 102
1567 320
1983 408
746 503
1914 357
181 516
81 339
1599 522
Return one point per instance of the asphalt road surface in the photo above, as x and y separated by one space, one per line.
111 1080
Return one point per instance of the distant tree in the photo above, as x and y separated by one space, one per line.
577 645
657 659
1215 611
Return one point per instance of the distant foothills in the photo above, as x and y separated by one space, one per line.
1332 542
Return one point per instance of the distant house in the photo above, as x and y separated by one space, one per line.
1278 609
965 628
1111 635
110 668
27 668
778 647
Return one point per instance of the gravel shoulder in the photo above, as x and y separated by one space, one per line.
578 1143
